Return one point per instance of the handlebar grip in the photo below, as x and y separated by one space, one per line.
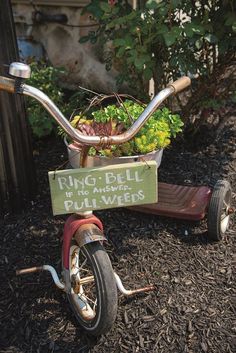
180 84
7 84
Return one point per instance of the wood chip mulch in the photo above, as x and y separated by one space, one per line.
193 307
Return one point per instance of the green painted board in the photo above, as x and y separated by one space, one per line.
87 189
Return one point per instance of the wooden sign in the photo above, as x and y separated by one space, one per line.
87 189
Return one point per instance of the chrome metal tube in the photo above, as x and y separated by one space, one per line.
55 277
59 117
129 292
148 111
97 140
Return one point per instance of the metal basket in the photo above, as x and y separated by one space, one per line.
96 161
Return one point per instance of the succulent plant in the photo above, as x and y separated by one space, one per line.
113 120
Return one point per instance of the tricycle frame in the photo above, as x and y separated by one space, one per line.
83 235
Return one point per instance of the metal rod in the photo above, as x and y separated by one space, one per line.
29 270
48 268
86 280
131 291
55 277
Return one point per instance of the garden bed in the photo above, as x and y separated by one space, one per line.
192 307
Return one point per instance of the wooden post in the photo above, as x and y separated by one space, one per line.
17 177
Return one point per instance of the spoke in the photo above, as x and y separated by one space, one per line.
83 299
88 299
85 270
77 256
95 304
226 205
81 267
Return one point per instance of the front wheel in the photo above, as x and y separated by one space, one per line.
93 295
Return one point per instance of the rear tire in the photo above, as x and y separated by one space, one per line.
94 302
218 216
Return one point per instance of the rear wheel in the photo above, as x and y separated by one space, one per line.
219 210
93 296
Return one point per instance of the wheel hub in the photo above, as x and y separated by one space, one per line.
77 283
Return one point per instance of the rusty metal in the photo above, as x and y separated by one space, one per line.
75 158
73 223
88 233
78 282
177 201
48 268
180 84
77 292
7 84
231 210
129 292
86 280
29 270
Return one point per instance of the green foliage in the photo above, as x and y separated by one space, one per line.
166 39
154 135
47 79
44 78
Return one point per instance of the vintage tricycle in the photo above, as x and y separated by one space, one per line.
87 275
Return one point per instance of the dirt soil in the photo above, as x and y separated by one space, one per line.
192 309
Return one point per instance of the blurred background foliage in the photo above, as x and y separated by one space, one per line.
48 79
162 40
159 40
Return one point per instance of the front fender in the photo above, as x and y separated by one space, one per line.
88 233
86 230
85 234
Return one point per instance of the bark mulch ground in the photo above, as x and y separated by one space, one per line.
192 309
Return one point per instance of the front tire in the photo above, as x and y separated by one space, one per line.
93 295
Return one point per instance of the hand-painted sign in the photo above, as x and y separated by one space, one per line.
87 189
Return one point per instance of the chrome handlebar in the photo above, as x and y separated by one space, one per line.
8 84
96 140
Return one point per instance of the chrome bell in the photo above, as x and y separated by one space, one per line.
20 70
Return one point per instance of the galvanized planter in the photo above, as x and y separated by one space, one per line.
96 161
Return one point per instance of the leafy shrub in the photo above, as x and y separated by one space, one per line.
47 79
44 78
164 39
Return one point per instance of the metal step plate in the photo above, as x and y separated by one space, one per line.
184 202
